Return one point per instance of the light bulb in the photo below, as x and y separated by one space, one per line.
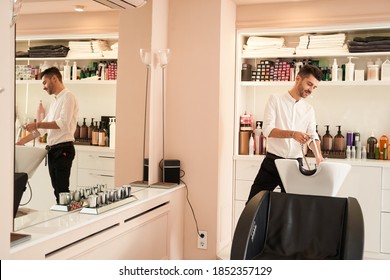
145 57
163 57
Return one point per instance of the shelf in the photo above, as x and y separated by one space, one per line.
322 83
78 82
367 54
66 58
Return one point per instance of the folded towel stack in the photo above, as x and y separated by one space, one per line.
369 44
318 44
265 46
48 51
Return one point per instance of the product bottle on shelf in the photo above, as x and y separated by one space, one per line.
95 135
339 141
84 131
40 112
66 71
90 129
383 142
327 140
74 71
257 132
334 70
371 143
263 141
251 145
112 131
77 131
102 135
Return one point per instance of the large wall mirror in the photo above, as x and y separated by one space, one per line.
40 25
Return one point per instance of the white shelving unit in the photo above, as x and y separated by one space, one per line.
356 105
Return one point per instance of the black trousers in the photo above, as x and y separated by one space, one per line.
60 163
268 178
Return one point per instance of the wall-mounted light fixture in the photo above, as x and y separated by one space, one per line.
79 8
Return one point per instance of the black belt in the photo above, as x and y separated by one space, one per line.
273 156
60 145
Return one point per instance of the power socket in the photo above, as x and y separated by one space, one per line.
202 240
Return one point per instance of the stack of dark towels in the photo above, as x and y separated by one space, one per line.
369 44
48 51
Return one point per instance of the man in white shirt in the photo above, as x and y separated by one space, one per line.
60 125
289 122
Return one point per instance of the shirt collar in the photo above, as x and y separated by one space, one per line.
60 94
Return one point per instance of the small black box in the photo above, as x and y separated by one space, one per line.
172 171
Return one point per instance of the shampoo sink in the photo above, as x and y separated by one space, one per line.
27 159
326 181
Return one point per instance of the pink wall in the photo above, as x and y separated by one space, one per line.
312 13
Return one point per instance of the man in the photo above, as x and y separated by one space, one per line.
60 125
289 122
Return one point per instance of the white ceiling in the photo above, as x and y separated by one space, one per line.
61 6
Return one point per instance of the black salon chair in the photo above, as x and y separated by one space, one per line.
299 227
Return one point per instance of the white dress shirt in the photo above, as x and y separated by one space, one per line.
284 112
64 111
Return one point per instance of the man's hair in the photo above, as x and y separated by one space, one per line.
308 70
52 71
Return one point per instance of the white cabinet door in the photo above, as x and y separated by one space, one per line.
364 184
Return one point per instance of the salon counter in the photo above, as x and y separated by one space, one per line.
150 227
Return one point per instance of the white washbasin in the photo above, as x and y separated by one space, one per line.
326 181
28 158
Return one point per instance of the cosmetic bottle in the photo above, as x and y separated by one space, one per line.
349 69
358 150
66 71
90 129
385 151
348 152
251 145
257 132
40 112
353 152
95 135
339 141
383 142
371 143
74 71
102 135
334 70
327 140
84 130
377 151
356 137
112 131
364 152
263 141
350 138
77 131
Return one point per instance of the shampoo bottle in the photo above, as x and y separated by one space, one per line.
371 143
251 145
112 130
90 129
335 70
66 71
349 69
84 130
95 135
327 140
383 142
339 141
257 138
74 71
40 112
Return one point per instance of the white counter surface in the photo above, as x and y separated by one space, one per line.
83 225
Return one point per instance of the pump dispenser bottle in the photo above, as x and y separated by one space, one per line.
90 129
327 140
257 132
84 130
339 141
371 143
349 69
95 135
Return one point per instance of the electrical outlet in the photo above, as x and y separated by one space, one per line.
202 240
